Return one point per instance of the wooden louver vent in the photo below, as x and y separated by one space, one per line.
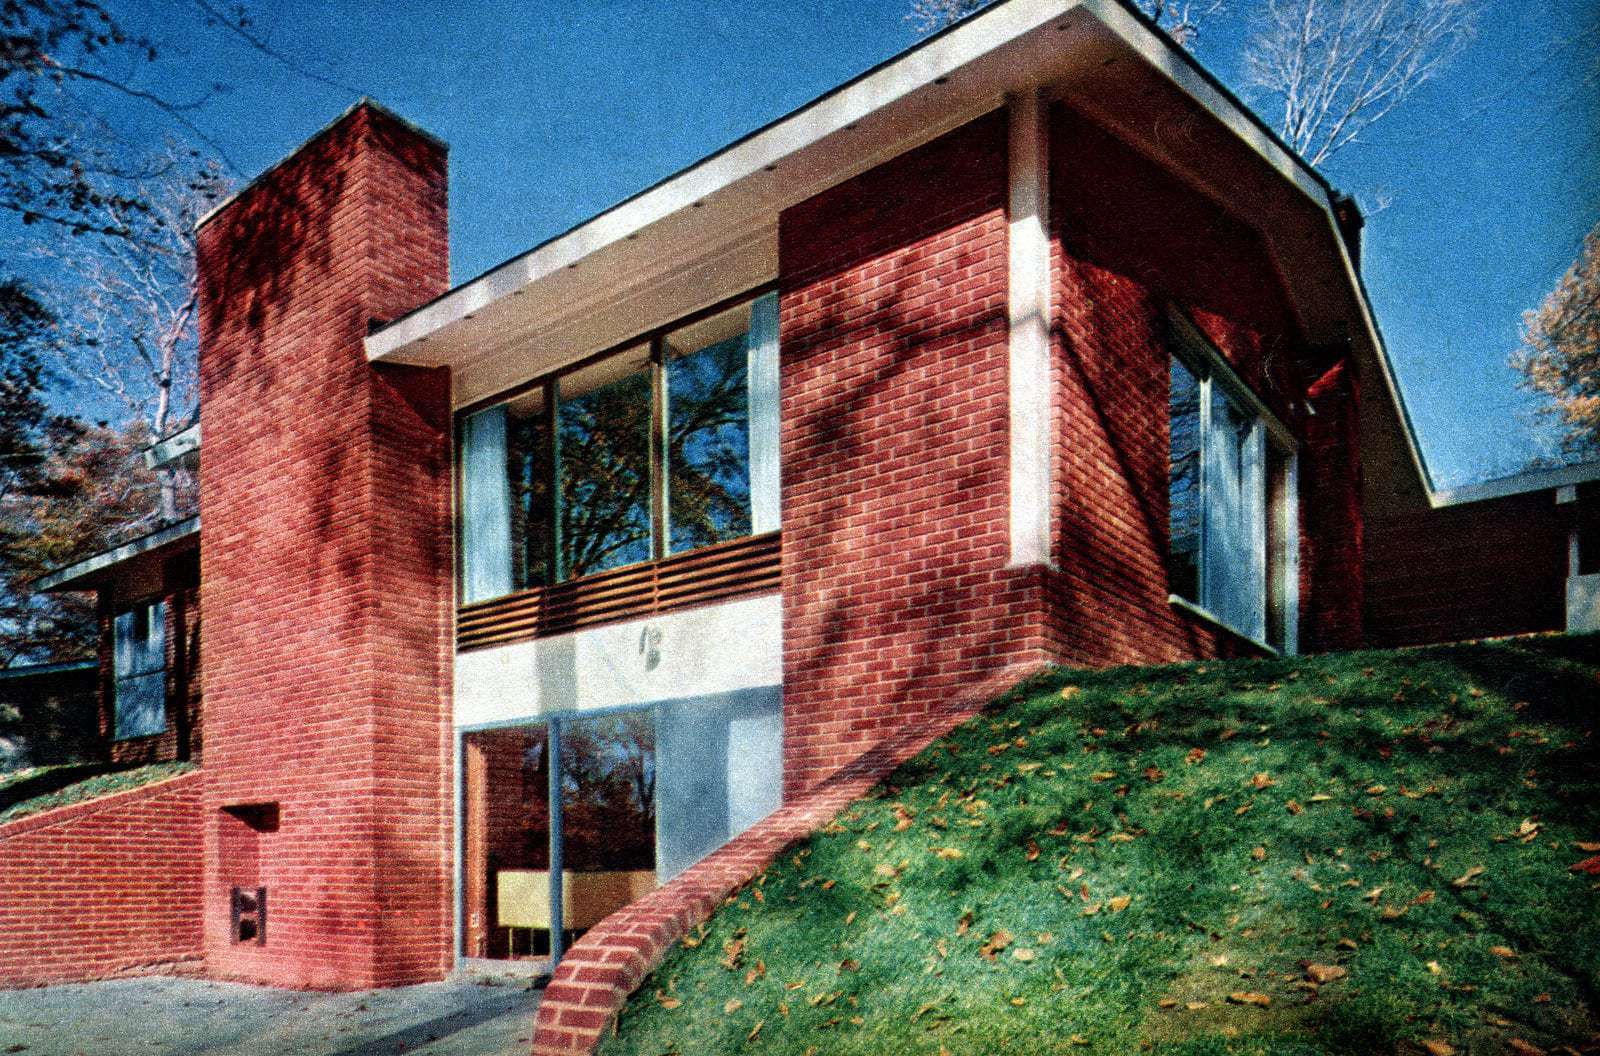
715 573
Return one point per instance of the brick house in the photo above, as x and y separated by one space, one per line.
526 595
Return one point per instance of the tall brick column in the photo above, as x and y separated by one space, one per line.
326 566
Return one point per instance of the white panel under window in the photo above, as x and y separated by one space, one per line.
718 767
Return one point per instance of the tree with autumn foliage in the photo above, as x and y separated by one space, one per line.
1560 353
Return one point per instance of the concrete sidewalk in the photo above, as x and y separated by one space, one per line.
189 1017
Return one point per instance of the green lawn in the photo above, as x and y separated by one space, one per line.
41 788
1362 853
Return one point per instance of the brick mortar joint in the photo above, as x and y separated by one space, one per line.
71 811
690 898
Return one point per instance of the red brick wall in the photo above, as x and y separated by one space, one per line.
326 562
894 446
1128 240
108 887
1482 569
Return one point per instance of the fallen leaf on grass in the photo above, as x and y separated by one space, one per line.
1377 790
1195 756
1102 775
1154 773
1434 968
755 1030
1322 974
1524 1048
1262 780
1423 899
1118 904
997 942
1467 877
1584 845
1391 913
1347 944
1023 954
1588 865
667 1001
1033 851
1503 951
1246 997
1259 854
1068 692
947 853
1168 1002
1320 797
1078 1039
1292 807
1019 1001
1435 1047
1195 1006
733 1005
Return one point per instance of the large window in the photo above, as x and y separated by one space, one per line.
139 667
1231 496
665 446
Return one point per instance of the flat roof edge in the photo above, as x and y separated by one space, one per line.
1518 484
70 577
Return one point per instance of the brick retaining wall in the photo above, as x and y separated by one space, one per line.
103 888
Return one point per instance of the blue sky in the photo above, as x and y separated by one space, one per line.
556 109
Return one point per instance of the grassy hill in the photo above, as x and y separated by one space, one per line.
1359 853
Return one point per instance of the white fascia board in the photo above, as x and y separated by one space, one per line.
1518 484
174 447
70 577
912 71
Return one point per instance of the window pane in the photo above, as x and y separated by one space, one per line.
1235 506
530 473
141 705
708 431
608 806
603 435
505 498
1183 483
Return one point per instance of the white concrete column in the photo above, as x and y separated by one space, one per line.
1032 388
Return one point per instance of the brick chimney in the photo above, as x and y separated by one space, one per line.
326 568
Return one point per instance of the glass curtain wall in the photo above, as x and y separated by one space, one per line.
643 793
664 447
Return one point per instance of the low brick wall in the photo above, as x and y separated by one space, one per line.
604 967
104 888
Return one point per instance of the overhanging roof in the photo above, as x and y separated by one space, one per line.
709 231
169 450
96 571
1518 484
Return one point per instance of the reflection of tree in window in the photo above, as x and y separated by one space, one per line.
1184 482
708 432
608 771
527 467
603 435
